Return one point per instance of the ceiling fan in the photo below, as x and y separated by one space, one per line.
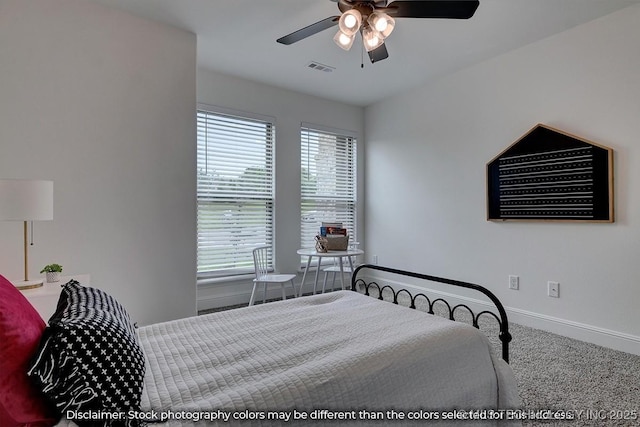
375 20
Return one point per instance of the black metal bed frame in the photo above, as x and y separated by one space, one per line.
504 336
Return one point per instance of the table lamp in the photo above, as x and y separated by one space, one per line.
26 200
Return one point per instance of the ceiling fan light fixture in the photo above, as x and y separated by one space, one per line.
350 22
372 39
370 18
382 23
343 40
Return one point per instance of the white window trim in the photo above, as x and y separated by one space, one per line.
346 134
227 275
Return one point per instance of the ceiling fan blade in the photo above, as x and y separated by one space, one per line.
310 30
378 54
450 9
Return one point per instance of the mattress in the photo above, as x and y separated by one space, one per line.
340 354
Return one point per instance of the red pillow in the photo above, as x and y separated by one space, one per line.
21 403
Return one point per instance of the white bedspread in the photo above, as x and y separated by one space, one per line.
340 351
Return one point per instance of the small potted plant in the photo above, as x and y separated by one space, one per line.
53 272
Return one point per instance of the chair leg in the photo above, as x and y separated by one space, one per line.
284 293
264 293
253 293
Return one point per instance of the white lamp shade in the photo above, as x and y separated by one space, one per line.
343 40
372 39
350 22
26 200
382 23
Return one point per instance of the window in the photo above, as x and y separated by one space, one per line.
235 191
328 181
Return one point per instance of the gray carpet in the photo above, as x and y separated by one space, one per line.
555 372
597 386
563 374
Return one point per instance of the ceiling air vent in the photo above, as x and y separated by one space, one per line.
320 67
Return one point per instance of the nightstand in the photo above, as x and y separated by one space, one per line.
45 298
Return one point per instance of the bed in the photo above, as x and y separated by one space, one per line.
340 357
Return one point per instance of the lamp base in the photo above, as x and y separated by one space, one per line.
28 284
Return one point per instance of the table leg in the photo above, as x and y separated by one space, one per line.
341 272
350 266
304 275
315 283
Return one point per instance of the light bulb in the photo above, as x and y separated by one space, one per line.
350 21
381 25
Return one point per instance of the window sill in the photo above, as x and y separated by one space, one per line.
205 281
208 281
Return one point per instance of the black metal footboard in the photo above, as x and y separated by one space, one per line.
504 336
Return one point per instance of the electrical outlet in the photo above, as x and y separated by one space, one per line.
375 260
553 289
514 283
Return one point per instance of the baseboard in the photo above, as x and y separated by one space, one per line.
212 301
584 332
581 331
207 302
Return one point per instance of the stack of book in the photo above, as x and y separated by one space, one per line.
332 229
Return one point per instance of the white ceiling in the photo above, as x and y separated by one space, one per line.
238 37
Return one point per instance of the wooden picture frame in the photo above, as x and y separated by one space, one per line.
550 175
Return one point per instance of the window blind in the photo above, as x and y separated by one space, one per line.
235 191
328 182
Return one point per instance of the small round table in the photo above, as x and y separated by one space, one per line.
311 252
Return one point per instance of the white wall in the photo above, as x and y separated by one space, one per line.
289 109
103 103
425 195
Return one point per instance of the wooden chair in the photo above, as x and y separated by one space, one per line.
263 277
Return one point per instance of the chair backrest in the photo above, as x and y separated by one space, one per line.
261 260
